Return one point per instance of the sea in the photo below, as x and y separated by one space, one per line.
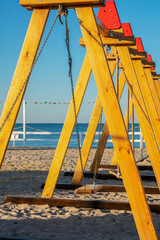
47 135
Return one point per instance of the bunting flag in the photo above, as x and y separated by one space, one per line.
55 103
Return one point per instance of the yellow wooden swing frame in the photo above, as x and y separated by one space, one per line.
106 99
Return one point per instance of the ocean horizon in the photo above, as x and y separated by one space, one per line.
38 136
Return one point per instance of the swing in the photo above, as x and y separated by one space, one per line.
91 188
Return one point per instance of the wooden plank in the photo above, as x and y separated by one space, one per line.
105 176
140 167
152 111
87 144
147 64
96 204
152 106
105 133
110 41
116 125
66 3
133 148
153 89
157 85
114 158
67 129
109 188
134 55
135 52
20 238
26 59
156 78
141 111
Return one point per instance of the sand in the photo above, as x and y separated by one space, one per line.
23 172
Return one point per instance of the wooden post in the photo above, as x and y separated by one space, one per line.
133 129
127 123
114 158
67 129
90 135
157 85
116 125
140 108
26 59
148 99
153 89
105 133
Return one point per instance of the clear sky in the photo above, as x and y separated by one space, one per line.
49 81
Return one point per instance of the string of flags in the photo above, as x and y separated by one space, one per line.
55 103
60 103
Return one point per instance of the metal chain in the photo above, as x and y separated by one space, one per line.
73 97
106 48
117 91
89 33
96 163
32 67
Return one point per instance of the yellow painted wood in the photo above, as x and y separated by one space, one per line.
153 89
133 149
114 158
87 144
134 55
141 110
66 3
150 104
27 56
157 85
105 133
67 130
127 123
127 41
88 141
117 127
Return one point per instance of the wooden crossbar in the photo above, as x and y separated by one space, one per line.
106 188
140 167
20 238
53 4
96 204
105 176
148 64
113 41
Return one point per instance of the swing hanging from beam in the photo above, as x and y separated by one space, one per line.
103 78
90 189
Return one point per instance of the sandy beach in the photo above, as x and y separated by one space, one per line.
23 172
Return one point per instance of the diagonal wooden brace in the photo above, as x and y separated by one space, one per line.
26 59
116 126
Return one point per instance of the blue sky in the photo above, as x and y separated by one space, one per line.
49 80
